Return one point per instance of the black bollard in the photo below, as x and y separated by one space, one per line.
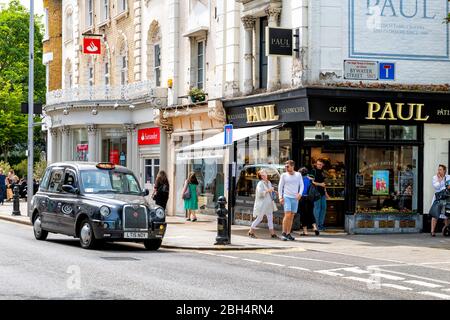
16 205
222 223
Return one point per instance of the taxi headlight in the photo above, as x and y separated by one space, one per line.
159 211
105 211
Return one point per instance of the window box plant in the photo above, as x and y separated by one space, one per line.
197 95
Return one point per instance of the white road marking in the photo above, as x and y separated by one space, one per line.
436 295
274 264
308 259
387 276
298 268
225 256
414 276
424 284
355 270
329 273
447 290
251 260
395 286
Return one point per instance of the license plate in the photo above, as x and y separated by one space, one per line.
136 235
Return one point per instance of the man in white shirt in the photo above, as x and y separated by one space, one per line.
290 191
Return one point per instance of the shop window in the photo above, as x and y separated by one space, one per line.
80 142
372 132
114 146
268 150
89 13
320 132
403 132
151 169
387 181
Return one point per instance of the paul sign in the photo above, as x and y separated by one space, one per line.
278 42
91 46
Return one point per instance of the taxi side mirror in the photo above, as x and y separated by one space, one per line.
70 189
146 192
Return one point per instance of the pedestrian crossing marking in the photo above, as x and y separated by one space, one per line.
387 276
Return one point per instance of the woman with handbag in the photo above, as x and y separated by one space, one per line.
190 196
264 204
161 189
438 182
306 205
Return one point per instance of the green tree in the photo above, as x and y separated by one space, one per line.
14 33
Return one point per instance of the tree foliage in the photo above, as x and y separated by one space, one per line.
14 39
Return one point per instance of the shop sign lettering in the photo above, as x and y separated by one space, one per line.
261 114
339 109
396 111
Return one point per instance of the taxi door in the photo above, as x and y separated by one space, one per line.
68 204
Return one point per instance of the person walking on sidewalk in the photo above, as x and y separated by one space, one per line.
264 204
290 190
2 186
439 181
306 205
190 196
320 205
161 189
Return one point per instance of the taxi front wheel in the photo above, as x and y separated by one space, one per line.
152 244
87 236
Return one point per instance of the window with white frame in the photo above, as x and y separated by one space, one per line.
105 10
157 49
123 63
68 25
46 31
90 71
106 74
68 74
200 64
121 6
89 13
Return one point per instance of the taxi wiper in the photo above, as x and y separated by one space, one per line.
107 191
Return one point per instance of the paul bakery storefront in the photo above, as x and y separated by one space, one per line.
372 143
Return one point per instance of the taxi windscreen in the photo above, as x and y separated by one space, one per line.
109 181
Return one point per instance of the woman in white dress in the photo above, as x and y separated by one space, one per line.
264 204
439 184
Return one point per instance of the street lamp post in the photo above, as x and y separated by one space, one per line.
30 187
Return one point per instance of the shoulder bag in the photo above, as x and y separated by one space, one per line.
186 192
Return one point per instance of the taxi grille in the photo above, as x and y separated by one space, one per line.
134 217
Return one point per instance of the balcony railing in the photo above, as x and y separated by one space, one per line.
128 92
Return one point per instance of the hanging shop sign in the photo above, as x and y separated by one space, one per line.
279 42
91 45
149 136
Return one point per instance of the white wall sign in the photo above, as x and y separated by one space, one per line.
360 70
399 29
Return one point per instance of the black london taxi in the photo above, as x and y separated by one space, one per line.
96 202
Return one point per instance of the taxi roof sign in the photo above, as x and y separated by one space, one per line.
106 165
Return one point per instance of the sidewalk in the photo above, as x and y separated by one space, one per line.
201 235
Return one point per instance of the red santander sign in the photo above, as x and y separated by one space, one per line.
91 46
149 136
